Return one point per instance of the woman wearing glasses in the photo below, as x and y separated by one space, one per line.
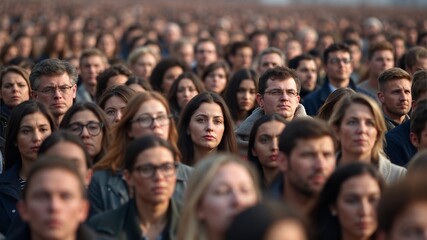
89 122
147 113
150 171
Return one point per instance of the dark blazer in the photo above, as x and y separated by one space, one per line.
399 148
108 190
10 193
315 100
123 223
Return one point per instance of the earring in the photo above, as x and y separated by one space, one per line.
333 212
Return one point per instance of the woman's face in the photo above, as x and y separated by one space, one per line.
73 152
91 134
144 65
206 126
246 95
170 76
153 176
411 224
114 109
34 128
216 81
357 132
143 123
14 89
107 45
231 191
185 92
356 207
266 146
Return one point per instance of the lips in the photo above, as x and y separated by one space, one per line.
35 149
158 190
209 138
273 157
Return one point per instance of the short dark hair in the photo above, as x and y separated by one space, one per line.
381 46
413 55
419 84
419 118
140 81
278 73
156 79
294 62
104 77
303 128
122 91
335 47
51 67
390 75
203 40
53 162
236 46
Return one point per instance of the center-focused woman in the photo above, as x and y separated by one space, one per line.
205 127
360 128
150 171
147 113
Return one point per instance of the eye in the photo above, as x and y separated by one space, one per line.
44 129
111 112
218 121
200 120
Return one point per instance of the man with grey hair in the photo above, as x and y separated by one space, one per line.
54 83
270 58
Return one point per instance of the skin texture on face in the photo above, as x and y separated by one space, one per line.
206 126
185 92
269 61
293 49
60 102
381 61
155 190
396 98
114 109
284 105
34 128
73 152
339 72
216 81
246 95
356 207
107 45
357 132
266 146
260 43
54 206
116 80
309 165
206 54
411 224
420 65
229 193
144 65
93 143
152 108
307 74
14 89
90 68
242 59
170 76
286 230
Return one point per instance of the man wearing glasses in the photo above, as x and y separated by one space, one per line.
54 83
338 68
278 92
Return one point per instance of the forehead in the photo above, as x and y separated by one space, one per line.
339 54
155 155
399 82
206 45
306 63
324 143
271 127
84 115
231 173
54 180
151 106
209 109
288 83
93 59
186 82
55 80
271 57
37 118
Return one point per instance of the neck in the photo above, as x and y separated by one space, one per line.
58 119
348 237
212 235
373 81
348 157
151 214
25 166
200 153
72 236
269 175
396 118
90 89
339 83
300 201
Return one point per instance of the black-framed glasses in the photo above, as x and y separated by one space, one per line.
147 121
64 89
338 60
279 92
149 170
93 128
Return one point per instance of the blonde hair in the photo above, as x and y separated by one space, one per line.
191 228
341 108
114 159
138 52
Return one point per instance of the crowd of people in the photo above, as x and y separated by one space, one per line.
189 120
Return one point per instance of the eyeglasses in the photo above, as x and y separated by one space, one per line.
146 120
149 170
64 89
93 128
338 60
279 92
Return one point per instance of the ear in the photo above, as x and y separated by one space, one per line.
130 134
88 177
23 211
74 91
336 131
283 162
414 139
128 178
381 96
260 100
254 152
34 94
200 213
84 210
413 105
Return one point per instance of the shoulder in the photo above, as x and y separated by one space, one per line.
110 222
183 172
246 126
391 172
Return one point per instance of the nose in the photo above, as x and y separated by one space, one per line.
85 132
54 204
118 116
275 145
365 208
238 199
209 126
37 136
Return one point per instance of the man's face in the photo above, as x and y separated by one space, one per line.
206 54
54 206
307 74
309 165
396 97
281 96
90 68
381 61
269 61
338 68
242 59
421 65
56 92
